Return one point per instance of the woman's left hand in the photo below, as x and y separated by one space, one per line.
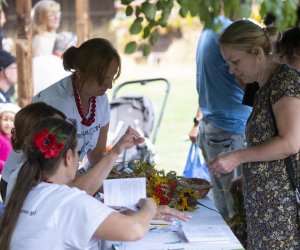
224 163
167 214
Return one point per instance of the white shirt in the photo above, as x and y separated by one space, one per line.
47 69
60 95
43 44
57 217
11 182
13 163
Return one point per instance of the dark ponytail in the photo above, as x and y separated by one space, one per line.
28 177
69 59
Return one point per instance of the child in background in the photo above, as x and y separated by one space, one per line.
7 117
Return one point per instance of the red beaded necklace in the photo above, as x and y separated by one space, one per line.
91 119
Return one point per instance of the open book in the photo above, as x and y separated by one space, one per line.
124 192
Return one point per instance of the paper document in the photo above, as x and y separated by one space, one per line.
205 233
161 246
124 192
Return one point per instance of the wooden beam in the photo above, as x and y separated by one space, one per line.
82 20
24 52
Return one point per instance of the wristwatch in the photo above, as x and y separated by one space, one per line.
196 121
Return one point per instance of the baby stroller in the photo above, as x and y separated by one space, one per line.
137 111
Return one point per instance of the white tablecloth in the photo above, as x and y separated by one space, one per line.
201 218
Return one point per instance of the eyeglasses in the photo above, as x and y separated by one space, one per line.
54 14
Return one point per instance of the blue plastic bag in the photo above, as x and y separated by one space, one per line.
1 208
194 168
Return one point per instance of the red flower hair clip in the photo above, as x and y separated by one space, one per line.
47 143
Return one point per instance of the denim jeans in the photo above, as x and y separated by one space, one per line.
212 142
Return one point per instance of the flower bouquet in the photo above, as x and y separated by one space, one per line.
165 188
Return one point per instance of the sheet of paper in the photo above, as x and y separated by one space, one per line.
205 233
124 192
160 246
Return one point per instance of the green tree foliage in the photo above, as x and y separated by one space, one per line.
150 14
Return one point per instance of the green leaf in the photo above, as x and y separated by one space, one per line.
130 47
149 10
126 2
192 6
263 10
231 7
146 31
137 11
160 4
183 11
216 8
146 50
164 17
129 10
153 38
136 27
139 19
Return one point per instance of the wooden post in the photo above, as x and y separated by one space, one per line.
24 52
82 20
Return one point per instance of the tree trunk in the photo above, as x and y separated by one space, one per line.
82 20
24 52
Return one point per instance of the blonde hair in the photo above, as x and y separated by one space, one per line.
245 34
41 10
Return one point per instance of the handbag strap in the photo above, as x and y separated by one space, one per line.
291 173
290 170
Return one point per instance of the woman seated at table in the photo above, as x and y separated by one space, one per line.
61 217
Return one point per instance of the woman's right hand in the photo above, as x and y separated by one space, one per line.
128 140
148 204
